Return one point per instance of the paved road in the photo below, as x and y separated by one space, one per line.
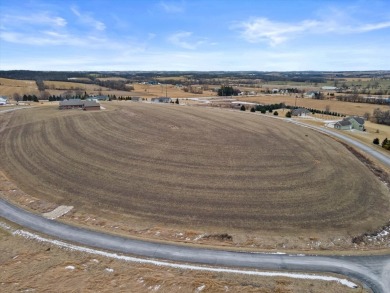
374 271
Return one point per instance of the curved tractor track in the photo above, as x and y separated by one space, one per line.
190 167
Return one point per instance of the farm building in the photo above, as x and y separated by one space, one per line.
71 104
161 100
300 112
91 105
353 122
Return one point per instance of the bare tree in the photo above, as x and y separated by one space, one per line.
327 108
44 95
367 116
16 97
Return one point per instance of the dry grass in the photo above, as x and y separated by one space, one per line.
145 90
10 86
335 106
178 167
111 78
65 85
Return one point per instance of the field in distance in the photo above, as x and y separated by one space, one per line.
210 170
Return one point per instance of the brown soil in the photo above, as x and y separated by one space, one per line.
184 173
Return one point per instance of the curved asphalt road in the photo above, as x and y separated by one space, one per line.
374 271
385 159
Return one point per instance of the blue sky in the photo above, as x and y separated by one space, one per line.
194 35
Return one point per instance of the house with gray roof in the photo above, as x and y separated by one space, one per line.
3 100
79 104
300 112
161 100
91 105
71 104
352 122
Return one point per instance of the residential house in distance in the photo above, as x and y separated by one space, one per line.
79 104
161 100
330 88
312 94
71 104
136 99
99 98
348 123
91 105
302 112
3 100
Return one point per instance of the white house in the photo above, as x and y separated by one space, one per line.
329 88
3 100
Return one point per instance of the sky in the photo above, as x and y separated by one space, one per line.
189 35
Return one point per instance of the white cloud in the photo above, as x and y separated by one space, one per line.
172 7
42 18
88 20
275 33
182 39
373 26
264 30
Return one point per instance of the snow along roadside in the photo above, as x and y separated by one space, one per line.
28 235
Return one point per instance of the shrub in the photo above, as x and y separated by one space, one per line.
386 144
288 114
263 111
253 110
276 113
375 141
242 108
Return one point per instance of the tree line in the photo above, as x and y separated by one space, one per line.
355 98
380 117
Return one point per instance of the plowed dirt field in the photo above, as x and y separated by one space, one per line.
180 166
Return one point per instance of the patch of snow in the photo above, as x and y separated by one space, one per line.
5 226
200 288
109 270
199 237
73 247
156 288
95 260
69 268
57 212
